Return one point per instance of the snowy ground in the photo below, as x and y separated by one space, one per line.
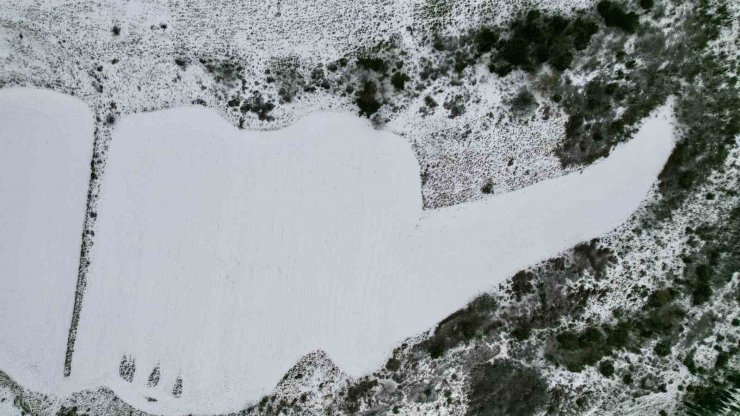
223 256
45 146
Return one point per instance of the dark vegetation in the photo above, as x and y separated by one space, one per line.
592 257
647 4
714 398
227 71
712 267
506 388
153 377
487 187
534 39
606 368
367 99
177 388
399 80
709 112
543 290
127 368
660 318
523 102
255 104
357 393
615 16
372 63
70 411
575 350
463 325
660 324
707 105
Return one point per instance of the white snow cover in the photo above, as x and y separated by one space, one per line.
223 256
45 148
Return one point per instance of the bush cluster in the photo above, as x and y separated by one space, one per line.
535 39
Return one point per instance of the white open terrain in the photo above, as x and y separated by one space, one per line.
222 256
46 142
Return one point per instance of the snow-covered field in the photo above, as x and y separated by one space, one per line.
45 148
223 256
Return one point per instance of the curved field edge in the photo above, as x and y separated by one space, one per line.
690 177
668 312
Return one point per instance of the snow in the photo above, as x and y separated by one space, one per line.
223 256
45 149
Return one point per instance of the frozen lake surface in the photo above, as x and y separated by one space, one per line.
223 256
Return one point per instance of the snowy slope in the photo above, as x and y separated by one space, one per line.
224 256
45 147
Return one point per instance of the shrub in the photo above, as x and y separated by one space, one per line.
506 388
127 368
614 16
606 368
536 39
717 397
69 411
523 102
521 284
487 187
647 4
372 63
486 39
177 388
662 348
461 326
399 79
576 350
358 392
367 99
393 364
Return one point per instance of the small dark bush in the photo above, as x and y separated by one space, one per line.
521 284
576 350
487 187
523 102
429 102
69 411
127 368
177 388
399 79
713 399
461 326
536 39
393 364
486 39
358 392
614 16
647 4
375 64
606 368
662 348
367 99
506 388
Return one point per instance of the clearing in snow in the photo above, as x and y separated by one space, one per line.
46 141
223 256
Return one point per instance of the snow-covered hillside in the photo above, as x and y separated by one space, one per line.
373 207
222 256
